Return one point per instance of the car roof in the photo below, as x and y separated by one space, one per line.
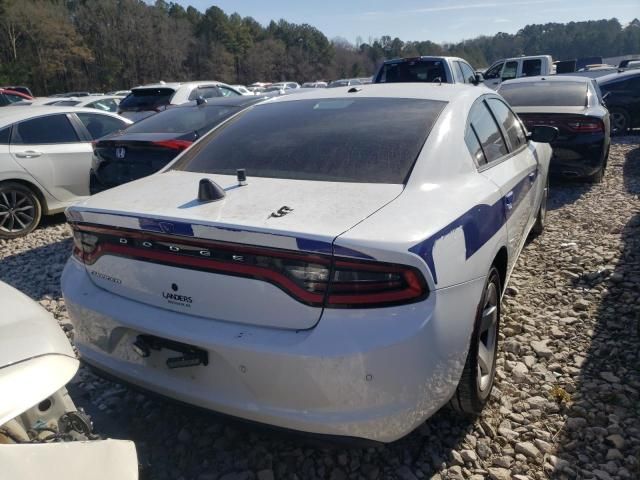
12 114
447 92
176 85
618 75
422 57
549 78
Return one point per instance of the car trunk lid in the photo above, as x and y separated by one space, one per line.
162 249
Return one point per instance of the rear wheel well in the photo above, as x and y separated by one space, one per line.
501 262
34 189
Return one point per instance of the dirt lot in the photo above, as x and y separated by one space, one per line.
567 400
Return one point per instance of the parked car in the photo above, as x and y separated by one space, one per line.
344 82
146 100
317 84
150 144
9 97
243 90
371 233
575 107
426 69
510 68
106 103
19 88
285 85
622 95
42 433
45 158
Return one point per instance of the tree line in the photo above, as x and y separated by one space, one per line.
98 45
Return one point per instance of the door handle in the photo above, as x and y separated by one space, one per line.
508 200
532 176
28 154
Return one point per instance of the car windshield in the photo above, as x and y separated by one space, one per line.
412 71
367 140
147 98
184 119
550 94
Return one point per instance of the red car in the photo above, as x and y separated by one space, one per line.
8 97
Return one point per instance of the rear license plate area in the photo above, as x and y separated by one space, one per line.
186 355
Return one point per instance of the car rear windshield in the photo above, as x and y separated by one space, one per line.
367 140
147 98
184 119
412 71
550 94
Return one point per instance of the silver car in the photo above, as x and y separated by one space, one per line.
45 158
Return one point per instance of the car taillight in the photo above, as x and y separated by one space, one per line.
173 144
586 126
314 279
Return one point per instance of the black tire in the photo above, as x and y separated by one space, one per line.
541 217
20 210
477 377
620 121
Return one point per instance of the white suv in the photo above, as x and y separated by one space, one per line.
146 100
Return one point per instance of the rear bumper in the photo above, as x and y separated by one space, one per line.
374 374
581 157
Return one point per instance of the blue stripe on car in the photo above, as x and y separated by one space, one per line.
479 224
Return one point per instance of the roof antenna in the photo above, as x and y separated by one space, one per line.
241 175
209 191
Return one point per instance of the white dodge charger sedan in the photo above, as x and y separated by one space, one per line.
349 286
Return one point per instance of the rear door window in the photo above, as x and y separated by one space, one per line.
510 123
532 68
44 130
545 93
488 133
418 70
457 72
212 91
365 140
5 135
147 98
100 125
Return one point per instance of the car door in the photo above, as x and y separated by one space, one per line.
493 75
507 169
52 151
510 71
531 185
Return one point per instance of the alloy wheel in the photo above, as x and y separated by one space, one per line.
487 338
619 122
17 211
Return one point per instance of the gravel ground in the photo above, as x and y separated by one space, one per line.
567 400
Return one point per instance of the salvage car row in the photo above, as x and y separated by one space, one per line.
292 254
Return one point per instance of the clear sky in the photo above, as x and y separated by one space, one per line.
436 20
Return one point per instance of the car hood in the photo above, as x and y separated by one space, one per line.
36 358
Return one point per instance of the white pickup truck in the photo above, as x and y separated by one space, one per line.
517 67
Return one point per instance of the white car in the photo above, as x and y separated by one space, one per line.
45 160
42 433
146 100
349 285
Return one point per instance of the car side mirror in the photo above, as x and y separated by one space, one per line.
478 78
543 134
